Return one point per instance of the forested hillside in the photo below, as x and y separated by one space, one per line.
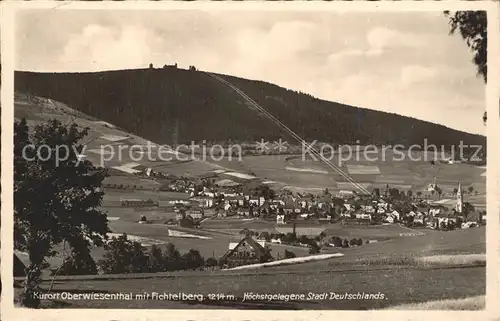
178 106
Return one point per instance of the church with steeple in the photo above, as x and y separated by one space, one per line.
460 201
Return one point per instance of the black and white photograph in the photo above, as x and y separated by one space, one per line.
238 157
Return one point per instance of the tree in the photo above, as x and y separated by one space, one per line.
193 260
467 209
289 254
267 255
123 256
472 26
314 248
337 241
156 262
290 237
56 197
211 262
78 263
470 189
171 258
304 239
266 236
439 191
345 243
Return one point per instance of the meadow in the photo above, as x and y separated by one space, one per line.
399 286
385 266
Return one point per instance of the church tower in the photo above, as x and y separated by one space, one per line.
460 202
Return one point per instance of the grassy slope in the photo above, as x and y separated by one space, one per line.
365 269
152 103
399 286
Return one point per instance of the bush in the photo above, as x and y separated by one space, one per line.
337 241
77 264
353 242
289 254
124 256
314 248
359 242
192 260
266 236
290 237
172 258
345 243
304 239
211 262
156 261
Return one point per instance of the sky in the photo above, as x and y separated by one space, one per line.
399 62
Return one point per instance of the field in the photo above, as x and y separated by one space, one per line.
399 286
388 267
111 147
309 174
385 266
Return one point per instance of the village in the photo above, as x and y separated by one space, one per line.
225 198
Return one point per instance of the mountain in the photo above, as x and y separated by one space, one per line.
172 105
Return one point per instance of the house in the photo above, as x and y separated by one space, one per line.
278 202
139 203
368 208
247 251
179 202
435 211
290 206
389 219
364 216
265 207
208 193
383 206
209 177
446 220
276 240
419 218
469 224
396 214
203 201
345 194
237 200
255 200
195 213
233 245
244 211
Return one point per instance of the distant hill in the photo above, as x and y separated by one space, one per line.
178 106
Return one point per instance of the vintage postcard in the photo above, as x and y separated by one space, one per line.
209 157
